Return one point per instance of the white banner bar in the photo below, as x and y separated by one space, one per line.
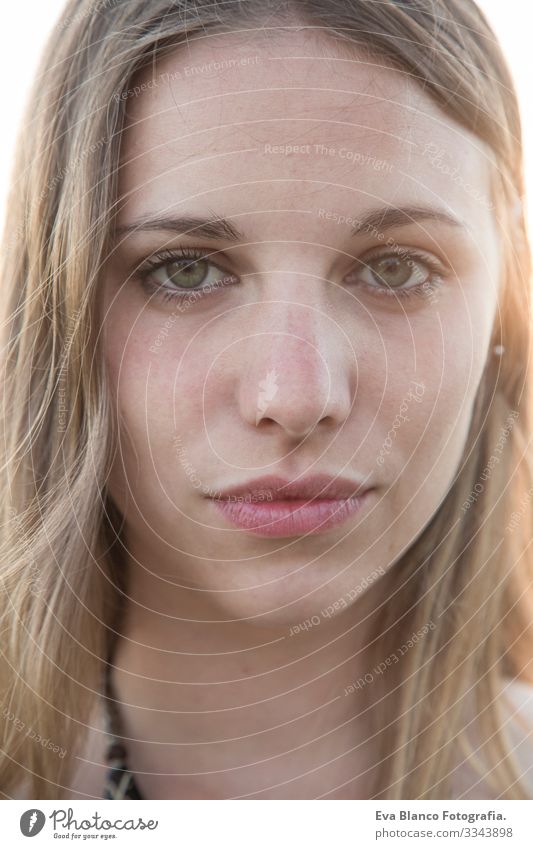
256 824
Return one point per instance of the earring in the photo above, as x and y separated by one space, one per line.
498 350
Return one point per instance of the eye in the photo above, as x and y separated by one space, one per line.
390 274
186 274
183 274
173 274
393 272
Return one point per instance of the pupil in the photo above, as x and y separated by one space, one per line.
190 275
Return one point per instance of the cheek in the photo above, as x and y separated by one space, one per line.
424 427
458 356
433 374
158 380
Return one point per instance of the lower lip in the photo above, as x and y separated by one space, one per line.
289 518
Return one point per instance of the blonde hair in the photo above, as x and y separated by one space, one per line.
470 569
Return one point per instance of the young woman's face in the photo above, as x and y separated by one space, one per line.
337 322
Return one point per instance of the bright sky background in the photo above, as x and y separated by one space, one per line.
24 28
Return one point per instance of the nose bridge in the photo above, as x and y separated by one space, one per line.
300 336
294 336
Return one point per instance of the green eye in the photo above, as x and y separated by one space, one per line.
392 271
187 275
178 274
414 273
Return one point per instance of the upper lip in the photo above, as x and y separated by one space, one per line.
310 487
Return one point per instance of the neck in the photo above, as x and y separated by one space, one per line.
227 709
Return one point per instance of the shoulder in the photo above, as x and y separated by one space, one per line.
515 706
518 694
516 703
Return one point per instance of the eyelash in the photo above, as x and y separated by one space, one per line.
424 290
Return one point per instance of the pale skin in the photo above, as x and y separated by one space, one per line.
207 658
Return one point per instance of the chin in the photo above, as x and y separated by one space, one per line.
270 609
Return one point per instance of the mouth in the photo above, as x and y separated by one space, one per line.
275 507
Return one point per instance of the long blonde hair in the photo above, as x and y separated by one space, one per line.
62 584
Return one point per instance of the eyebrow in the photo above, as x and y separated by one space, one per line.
381 219
209 228
392 216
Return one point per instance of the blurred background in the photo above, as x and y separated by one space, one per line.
25 28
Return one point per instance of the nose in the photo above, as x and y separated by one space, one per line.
299 371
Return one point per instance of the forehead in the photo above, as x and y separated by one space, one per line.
241 122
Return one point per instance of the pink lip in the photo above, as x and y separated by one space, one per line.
274 507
